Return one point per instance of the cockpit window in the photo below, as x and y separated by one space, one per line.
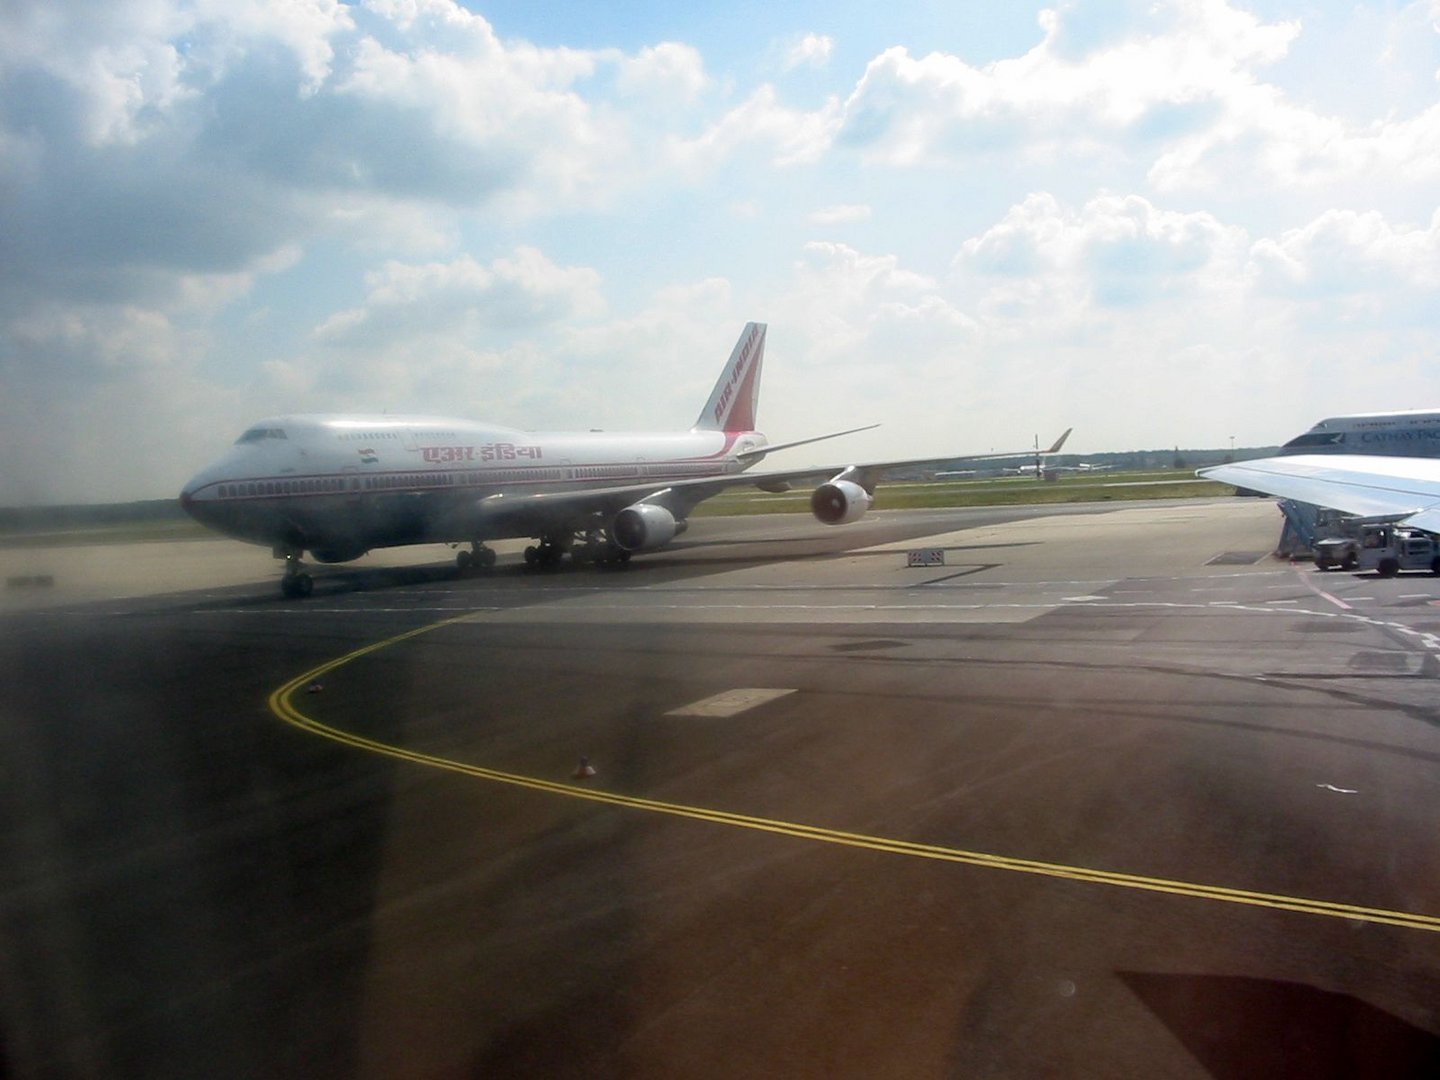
1316 438
258 434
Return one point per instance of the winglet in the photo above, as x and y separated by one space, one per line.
1059 442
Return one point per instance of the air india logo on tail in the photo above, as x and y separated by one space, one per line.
732 402
740 383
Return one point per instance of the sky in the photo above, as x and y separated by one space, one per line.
1173 223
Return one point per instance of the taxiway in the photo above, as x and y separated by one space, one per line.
1109 792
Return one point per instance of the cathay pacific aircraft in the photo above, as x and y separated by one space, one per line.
1372 465
337 486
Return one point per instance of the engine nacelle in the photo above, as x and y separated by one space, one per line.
644 526
840 502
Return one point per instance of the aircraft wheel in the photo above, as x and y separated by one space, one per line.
1350 562
485 557
1388 568
532 555
464 563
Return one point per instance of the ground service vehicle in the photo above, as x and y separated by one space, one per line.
1388 549
1337 553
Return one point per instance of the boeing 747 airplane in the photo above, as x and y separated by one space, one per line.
338 486
1372 465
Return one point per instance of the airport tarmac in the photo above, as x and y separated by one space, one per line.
1100 791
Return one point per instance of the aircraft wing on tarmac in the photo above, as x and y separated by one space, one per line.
1404 488
831 503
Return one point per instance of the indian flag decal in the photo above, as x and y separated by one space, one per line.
368 456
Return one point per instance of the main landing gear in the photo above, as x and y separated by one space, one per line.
596 547
588 547
478 558
547 553
296 584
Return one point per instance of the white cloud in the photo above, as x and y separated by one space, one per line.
846 301
305 28
1169 72
812 51
130 65
1114 253
1347 270
794 135
1177 85
840 214
409 302
669 71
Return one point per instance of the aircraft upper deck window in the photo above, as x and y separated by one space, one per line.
259 434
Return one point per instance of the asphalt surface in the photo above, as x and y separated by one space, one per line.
1108 793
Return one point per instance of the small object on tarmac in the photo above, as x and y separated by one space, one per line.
314 688
584 770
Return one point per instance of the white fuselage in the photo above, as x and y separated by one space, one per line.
340 485
1412 433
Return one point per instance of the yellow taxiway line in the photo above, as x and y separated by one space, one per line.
282 705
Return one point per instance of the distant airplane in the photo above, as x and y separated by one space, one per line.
1037 468
1373 465
338 486
1046 470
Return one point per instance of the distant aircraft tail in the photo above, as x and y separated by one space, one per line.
1055 448
736 397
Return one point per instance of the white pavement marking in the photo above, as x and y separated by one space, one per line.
730 702
745 611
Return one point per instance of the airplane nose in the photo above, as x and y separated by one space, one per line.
188 496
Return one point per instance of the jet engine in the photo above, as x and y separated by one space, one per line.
644 526
840 502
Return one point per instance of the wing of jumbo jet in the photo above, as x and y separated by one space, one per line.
1405 488
845 497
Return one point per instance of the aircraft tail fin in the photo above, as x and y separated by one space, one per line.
736 397
1055 447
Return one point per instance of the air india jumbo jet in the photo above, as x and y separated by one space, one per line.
339 485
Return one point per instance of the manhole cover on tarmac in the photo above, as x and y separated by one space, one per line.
1237 558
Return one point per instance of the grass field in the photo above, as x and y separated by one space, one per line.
122 533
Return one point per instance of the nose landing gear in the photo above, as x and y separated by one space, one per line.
296 584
